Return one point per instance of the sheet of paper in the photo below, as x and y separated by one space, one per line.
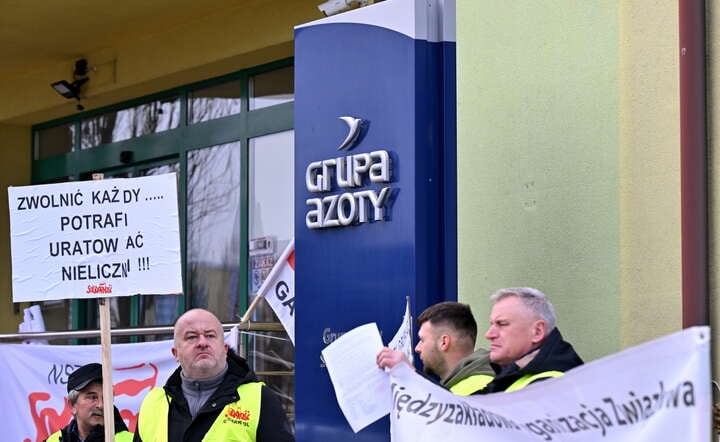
362 389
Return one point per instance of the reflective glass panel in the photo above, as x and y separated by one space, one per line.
271 88
271 224
159 309
213 223
149 118
214 102
54 141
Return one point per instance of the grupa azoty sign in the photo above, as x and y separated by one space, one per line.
90 239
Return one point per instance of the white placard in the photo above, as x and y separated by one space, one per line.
93 239
361 387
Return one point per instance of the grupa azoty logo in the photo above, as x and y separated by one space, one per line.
357 176
354 127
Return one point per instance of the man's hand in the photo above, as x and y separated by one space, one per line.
388 358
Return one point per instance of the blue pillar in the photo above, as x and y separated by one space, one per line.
365 241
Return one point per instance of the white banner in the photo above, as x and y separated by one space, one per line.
34 384
35 379
91 239
279 289
658 391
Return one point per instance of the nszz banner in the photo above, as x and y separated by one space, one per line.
658 391
34 383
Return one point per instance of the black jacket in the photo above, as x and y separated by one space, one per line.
273 425
70 433
555 355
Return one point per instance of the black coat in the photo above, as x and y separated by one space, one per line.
273 425
70 432
555 355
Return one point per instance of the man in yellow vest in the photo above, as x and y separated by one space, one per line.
85 395
525 344
446 348
213 395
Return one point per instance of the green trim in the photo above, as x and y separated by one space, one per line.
182 212
182 90
243 274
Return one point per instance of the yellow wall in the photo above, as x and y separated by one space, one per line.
568 153
538 191
14 170
650 260
713 103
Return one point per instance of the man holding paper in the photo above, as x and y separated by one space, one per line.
446 347
525 344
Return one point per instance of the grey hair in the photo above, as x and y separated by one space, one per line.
534 299
73 396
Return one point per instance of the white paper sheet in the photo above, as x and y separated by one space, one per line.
361 387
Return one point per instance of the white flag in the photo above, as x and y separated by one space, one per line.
403 338
279 289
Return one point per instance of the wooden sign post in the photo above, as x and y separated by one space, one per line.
105 343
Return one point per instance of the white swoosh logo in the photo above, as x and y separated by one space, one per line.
353 131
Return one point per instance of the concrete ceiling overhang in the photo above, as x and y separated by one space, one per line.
38 36
34 33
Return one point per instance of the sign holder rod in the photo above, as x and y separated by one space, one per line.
106 342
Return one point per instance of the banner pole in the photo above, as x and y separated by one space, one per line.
263 288
105 342
250 309
407 306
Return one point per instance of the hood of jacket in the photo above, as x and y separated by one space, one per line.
475 363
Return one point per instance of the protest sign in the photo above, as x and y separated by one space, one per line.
90 239
34 386
627 396
278 290
658 391
36 377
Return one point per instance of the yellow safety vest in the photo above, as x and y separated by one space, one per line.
528 379
471 384
238 421
123 436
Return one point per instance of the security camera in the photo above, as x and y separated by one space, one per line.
332 7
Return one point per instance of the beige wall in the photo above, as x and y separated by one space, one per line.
14 170
650 260
568 152
538 155
713 103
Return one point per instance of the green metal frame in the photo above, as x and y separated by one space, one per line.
164 147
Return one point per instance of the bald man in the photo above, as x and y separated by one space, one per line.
213 395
